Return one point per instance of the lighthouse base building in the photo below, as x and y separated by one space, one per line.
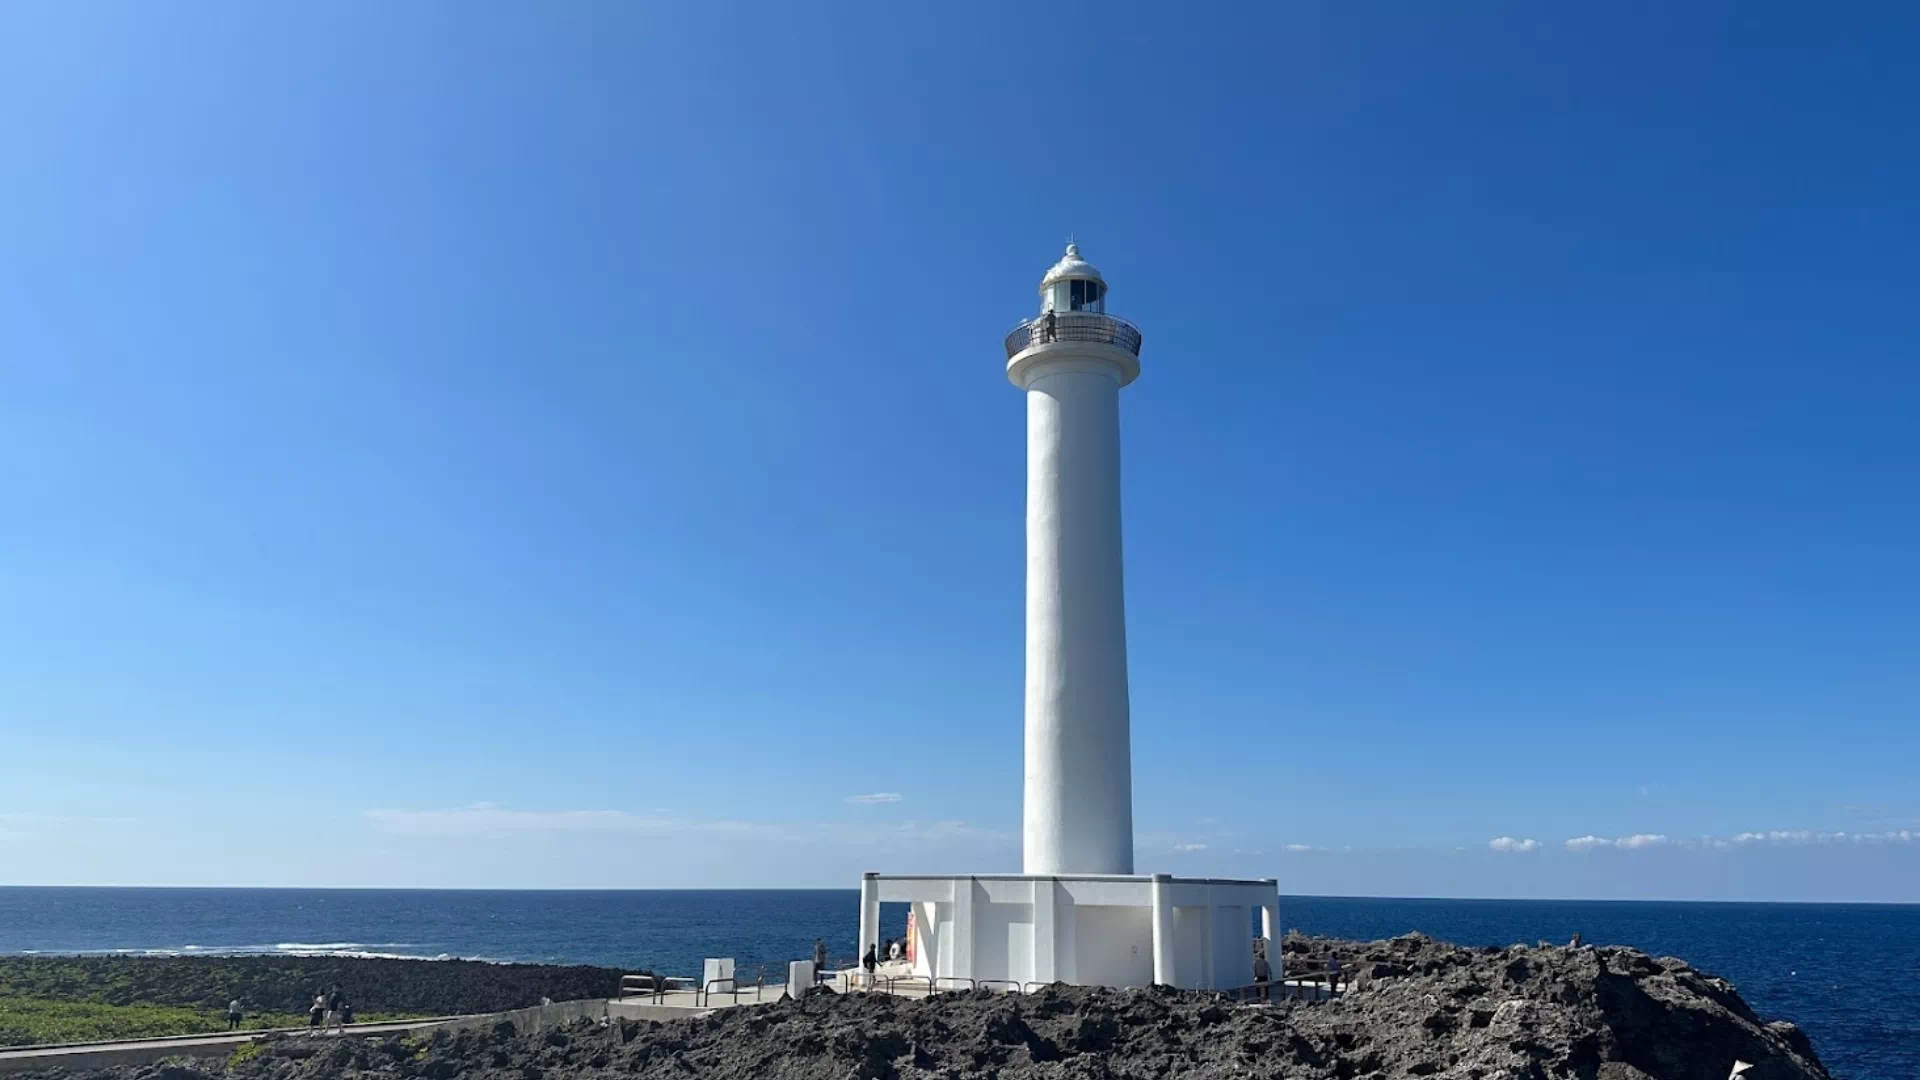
1078 914
1085 929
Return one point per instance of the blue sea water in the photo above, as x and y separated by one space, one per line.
1849 974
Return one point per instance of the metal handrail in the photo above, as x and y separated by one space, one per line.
1319 973
860 976
1026 988
1093 326
656 986
988 984
1253 990
1296 987
706 990
895 980
938 979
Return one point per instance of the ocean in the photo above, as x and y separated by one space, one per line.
1848 973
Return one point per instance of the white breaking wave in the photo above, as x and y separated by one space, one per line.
346 950
336 946
357 950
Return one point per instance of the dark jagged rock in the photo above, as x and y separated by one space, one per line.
1417 1009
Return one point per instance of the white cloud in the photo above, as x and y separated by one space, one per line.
1896 836
1769 838
1508 843
874 799
1625 843
1189 847
1301 847
1804 837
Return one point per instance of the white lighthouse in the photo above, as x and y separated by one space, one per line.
1078 913
1072 361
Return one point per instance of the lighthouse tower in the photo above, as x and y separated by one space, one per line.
1072 360
1077 913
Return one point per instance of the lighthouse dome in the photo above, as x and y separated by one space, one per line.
1071 267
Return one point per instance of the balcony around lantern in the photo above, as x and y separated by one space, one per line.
1074 326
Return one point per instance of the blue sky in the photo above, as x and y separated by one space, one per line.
566 445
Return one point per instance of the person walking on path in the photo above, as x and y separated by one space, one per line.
316 1015
819 959
233 1015
1262 973
1333 973
869 961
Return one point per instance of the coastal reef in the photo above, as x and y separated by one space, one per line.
1417 1008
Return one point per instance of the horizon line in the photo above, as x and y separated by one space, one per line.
855 889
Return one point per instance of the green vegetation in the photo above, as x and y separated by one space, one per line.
42 1020
27 1020
286 985
47 999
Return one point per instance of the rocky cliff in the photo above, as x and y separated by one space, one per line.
1417 1008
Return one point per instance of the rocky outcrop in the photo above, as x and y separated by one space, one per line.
1585 1011
1417 1008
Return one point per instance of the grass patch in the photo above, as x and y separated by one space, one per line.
26 1020
287 984
29 1020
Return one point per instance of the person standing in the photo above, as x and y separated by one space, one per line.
1262 973
334 998
345 1015
316 1015
1333 973
1046 326
870 962
819 959
233 1015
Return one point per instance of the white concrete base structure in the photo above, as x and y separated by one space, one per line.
1085 929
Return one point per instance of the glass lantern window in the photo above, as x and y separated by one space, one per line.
1086 296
